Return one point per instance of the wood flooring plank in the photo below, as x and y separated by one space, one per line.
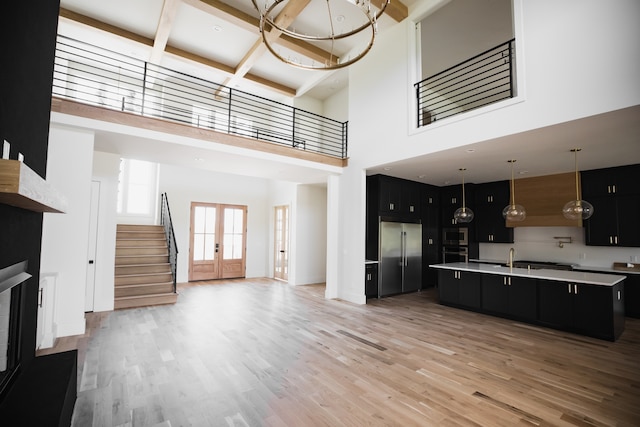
259 352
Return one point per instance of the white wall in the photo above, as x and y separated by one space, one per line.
311 235
184 186
65 236
568 68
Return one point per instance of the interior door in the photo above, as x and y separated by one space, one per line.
90 282
204 245
217 241
234 226
281 239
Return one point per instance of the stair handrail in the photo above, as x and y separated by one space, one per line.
172 245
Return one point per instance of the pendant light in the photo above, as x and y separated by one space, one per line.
577 209
513 212
463 214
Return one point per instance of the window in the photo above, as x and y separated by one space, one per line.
137 188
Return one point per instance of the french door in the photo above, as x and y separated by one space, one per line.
281 239
217 241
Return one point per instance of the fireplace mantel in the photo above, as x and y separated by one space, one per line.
20 186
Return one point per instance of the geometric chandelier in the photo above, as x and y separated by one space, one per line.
326 28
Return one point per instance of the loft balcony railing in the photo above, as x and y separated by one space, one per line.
486 78
99 77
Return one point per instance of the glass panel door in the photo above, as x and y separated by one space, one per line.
281 239
203 263
217 241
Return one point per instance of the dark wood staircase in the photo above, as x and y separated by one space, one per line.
142 269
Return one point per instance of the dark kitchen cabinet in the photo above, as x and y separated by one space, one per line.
592 310
631 292
489 201
510 296
614 221
431 253
451 199
632 296
371 280
396 196
459 288
620 181
615 197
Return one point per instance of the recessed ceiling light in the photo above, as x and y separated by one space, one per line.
217 28
199 159
422 176
523 172
471 150
447 182
340 18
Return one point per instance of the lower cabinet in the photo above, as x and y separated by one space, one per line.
596 311
593 310
371 280
459 288
510 296
632 296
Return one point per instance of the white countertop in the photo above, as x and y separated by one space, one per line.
545 274
576 267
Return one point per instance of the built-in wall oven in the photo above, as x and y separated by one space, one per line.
455 254
455 244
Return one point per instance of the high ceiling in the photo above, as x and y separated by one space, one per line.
219 40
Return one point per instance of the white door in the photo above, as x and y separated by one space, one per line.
90 282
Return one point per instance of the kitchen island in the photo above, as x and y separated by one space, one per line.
581 302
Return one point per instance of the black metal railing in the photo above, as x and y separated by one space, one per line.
100 77
486 78
172 245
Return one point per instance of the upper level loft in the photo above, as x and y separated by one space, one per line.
97 83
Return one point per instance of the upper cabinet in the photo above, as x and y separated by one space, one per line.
451 200
490 199
620 181
615 196
397 196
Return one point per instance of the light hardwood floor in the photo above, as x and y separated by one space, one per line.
264 353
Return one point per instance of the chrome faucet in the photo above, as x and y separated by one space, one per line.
511 252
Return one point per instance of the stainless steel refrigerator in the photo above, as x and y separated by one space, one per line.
400 261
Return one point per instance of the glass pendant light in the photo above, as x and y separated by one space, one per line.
513 212
577 209
463 214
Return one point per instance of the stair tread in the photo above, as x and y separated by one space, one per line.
164 273
133 285
146 296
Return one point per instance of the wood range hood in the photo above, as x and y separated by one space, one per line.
543 198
